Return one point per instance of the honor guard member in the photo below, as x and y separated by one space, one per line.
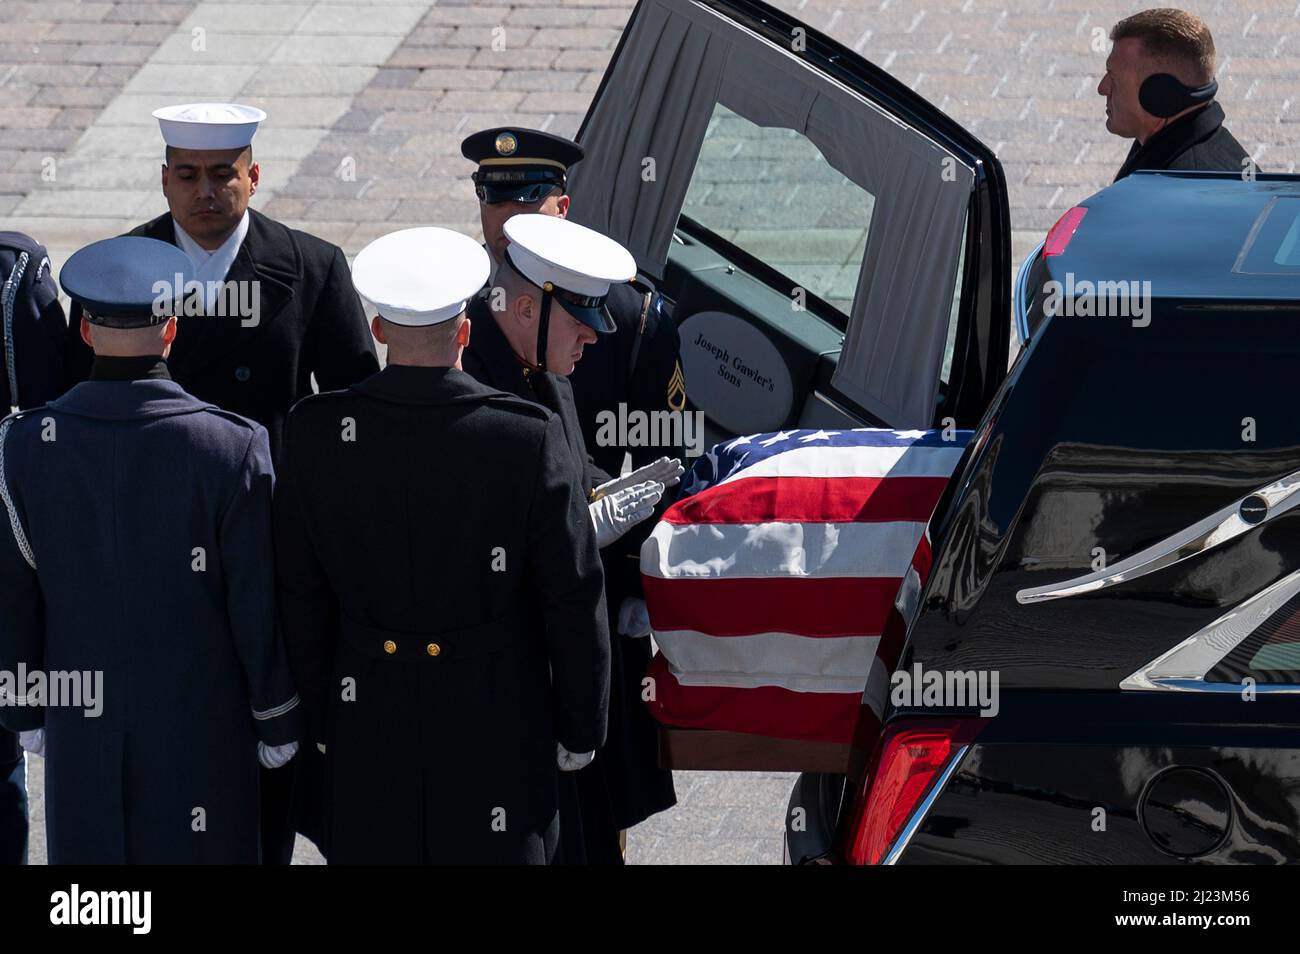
636 369
546 305
136 571
639 365
277 307
32 359
440 586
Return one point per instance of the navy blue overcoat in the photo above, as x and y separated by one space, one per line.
135 542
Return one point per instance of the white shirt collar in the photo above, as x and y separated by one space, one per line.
213 265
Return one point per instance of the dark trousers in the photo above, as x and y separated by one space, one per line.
588 834
13 804
277 805
292 804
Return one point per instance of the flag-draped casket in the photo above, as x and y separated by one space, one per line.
772 580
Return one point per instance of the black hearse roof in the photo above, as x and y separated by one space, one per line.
1193 235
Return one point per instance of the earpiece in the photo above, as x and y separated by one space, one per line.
1165 95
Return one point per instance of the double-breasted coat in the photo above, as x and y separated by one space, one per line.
136 543
442 599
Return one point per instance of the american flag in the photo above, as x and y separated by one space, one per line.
771 581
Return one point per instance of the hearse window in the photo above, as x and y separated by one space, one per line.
769 192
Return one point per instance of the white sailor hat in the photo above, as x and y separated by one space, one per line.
208 125
420 276
572 262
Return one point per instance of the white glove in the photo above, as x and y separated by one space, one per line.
321 746
664 471
273 756
616 513
634 618
33 741
572 761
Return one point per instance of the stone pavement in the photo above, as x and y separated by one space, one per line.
368 100
720 818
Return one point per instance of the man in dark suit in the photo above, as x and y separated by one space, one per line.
136 559
1160 87
439 585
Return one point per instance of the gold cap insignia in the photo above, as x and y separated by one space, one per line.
506 144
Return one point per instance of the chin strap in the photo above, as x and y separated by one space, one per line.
544 326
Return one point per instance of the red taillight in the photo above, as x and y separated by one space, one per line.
908 759
1059 235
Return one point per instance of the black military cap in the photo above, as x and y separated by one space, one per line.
128 282
519 165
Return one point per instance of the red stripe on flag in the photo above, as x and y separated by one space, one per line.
923 556
770 711
811 500
818 606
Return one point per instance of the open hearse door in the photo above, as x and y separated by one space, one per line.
836 252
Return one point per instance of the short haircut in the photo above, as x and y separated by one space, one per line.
428 339
147 339
1174 35
515 285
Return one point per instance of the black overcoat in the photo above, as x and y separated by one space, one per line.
635 370
309 322
1198 140
489 360
624 785
442 599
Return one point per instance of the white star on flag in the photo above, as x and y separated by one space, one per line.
819 436
738 442
712 456
777 438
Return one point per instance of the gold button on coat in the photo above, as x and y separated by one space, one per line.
433 649
390 647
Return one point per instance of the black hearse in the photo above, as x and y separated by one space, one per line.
1121 547
1117 544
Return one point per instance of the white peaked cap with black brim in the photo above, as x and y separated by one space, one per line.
422 276
575 264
